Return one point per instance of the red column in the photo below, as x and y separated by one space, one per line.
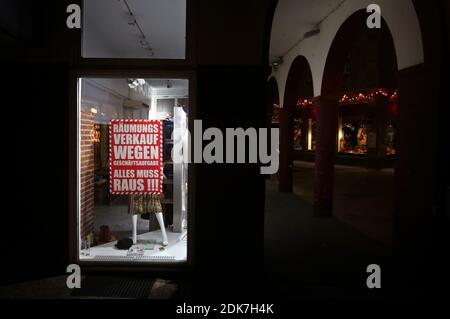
286 151
326 139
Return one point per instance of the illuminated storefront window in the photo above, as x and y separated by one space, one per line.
361 121
390 139
304 125
132 196
391 148
298 132
276 114
311 135
352 137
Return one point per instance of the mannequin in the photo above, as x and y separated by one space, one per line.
142 204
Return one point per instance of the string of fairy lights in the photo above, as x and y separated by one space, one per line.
356 97
368 97
351 98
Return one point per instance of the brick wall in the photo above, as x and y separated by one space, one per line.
86 173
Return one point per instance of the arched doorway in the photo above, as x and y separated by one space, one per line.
357 127
295 119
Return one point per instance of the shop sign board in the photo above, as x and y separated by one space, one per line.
136 157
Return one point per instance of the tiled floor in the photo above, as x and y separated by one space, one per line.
313 257
363 198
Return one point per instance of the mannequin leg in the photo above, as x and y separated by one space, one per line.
160 218
135 218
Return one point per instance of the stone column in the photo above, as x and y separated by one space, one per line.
326 143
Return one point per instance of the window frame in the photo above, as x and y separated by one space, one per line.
74 96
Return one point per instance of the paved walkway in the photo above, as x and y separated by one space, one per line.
305 257
363 198
316 257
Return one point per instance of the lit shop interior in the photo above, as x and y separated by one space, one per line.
363 116
128 228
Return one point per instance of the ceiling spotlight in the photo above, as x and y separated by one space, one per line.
132 83
131 20
276 63
144 43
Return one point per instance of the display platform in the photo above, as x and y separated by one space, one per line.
175 252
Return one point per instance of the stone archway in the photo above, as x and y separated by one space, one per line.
298 86
333 84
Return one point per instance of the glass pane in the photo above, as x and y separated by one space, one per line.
132 195
354 127
134 29
353 136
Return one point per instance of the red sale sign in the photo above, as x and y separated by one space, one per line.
135 157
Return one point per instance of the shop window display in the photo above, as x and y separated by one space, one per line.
353 138
304 125
358 113
311 135
356 116
311 124
390 140
354 121
391 125
298 134
144 227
